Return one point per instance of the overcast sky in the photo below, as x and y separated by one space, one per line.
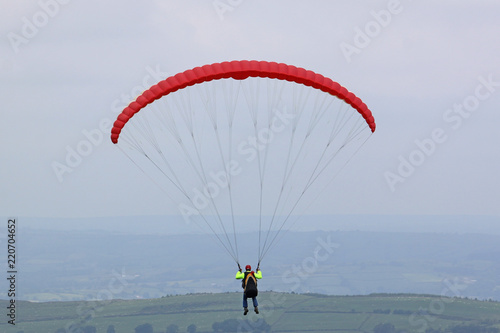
428 70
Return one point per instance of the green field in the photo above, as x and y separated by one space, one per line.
282 311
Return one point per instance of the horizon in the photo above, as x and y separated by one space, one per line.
346 222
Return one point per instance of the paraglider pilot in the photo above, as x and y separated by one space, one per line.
249 285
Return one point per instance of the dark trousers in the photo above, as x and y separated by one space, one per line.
245 302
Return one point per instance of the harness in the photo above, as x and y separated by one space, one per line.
249 284
248 275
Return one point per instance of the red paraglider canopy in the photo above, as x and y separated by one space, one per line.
240 70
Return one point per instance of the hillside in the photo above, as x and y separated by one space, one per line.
77 265
280 312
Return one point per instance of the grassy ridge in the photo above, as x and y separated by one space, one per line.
284 312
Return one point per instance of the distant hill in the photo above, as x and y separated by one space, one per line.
280 312
82 264
175 225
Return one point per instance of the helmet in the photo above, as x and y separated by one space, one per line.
248 267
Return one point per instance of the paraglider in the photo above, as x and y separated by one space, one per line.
243 145
249 285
